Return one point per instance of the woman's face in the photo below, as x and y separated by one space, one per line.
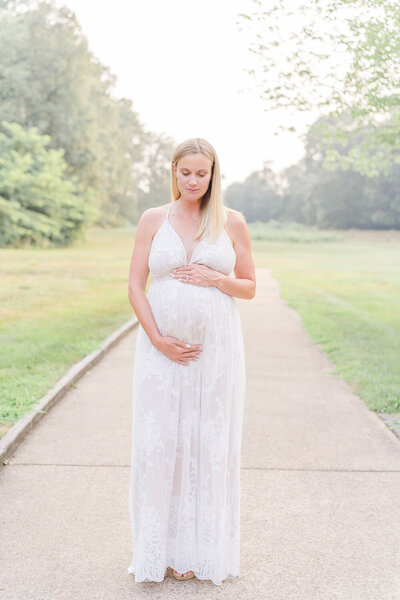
193 173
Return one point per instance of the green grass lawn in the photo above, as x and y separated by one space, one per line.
347 293
58 305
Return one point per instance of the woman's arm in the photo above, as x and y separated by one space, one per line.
138 275
240 288
243 285
173 348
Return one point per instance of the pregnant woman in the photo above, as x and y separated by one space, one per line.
189 376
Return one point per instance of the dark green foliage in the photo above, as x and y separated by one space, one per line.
49 79
39 203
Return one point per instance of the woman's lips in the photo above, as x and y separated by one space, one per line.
193 190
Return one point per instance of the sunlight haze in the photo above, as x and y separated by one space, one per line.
183 65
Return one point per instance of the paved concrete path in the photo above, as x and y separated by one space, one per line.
320 483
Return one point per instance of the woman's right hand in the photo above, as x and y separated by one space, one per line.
178 351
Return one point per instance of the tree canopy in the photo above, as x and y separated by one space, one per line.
39 203
50 80
334 57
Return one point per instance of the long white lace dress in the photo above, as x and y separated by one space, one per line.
184 498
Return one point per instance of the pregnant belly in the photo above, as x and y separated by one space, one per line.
191 313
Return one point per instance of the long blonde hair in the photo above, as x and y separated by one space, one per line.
213 213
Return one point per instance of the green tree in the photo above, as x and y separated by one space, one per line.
257 197
334 57
310 193
51 80
155 181
39 203
340 197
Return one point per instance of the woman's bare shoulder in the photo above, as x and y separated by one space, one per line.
152 218
236 225
235 218
154 212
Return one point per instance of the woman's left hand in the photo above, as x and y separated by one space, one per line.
197 274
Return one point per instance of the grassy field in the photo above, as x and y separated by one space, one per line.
347 292
58 305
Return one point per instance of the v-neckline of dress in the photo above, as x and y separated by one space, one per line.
188 261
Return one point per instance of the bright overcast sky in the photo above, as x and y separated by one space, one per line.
183 65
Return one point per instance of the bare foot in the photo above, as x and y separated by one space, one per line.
183 574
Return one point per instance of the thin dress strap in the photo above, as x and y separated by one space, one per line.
166 218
